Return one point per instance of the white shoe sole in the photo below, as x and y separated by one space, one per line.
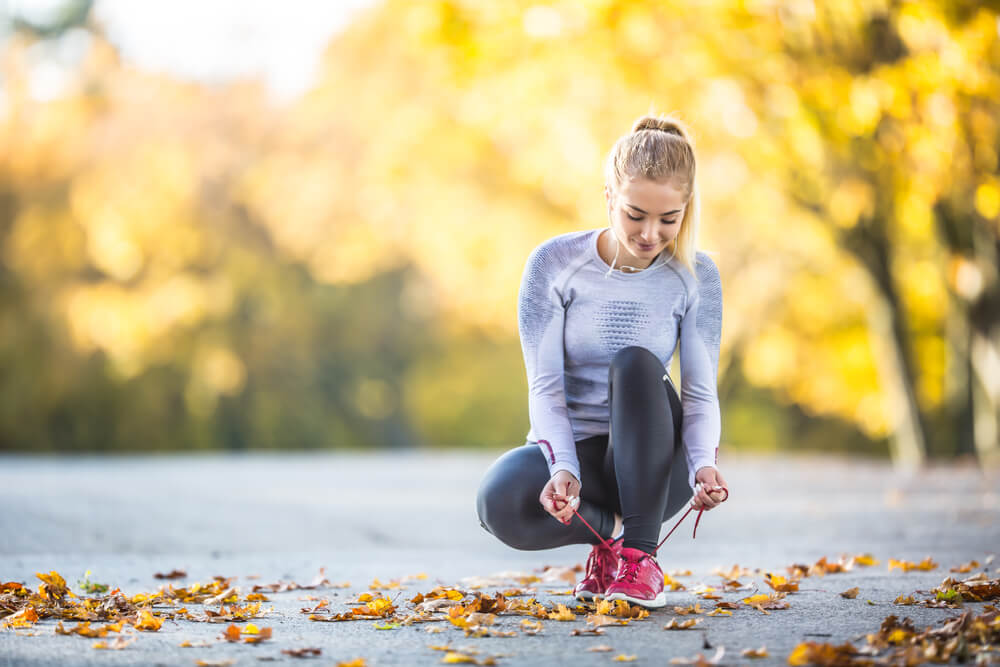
657 602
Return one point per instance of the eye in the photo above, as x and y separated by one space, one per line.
669 222
631 218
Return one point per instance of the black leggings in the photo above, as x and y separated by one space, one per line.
638 470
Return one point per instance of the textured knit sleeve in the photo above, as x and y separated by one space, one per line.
701 332
540 318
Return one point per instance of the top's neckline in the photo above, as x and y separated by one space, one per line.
618 274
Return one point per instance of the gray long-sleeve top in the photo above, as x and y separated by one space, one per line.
572 319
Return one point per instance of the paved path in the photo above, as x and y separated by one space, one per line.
385 516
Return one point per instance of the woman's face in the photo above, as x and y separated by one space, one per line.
645 215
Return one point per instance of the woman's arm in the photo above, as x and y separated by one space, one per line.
540 319
701 329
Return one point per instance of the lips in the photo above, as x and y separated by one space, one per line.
646 247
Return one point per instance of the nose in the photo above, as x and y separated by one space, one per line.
648 234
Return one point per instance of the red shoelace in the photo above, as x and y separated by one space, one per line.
633 567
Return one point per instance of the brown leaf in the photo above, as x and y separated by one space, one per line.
173 574
850 593
302 652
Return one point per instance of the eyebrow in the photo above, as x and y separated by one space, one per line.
641 211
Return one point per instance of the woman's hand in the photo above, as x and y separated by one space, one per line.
710 490
561 495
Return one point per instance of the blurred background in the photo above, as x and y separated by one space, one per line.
302 225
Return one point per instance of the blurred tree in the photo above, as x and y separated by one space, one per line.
887 132
191 266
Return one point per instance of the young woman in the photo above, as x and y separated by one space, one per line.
600 312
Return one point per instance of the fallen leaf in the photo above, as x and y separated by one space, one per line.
621 657
691 609
562 613
683 625
453 657
148 622
302 652
780 583
813 653
232 633
968 567
600 648
173 574
600 620
720 612
531 627
735 572
117 644
850 593
263 635
215 663
754 652
906 566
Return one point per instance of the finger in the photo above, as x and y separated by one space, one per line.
566 514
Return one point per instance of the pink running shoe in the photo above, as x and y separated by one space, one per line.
601 564
639 580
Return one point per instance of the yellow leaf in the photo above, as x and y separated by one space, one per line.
562 613
250 629
799 655
683 625
897 636
357 662
756 599
621 657
906 566
147 621
720 612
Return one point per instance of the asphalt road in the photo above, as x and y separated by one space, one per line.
282 517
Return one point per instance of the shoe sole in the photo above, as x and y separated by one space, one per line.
657 602
585 595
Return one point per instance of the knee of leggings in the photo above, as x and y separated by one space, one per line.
635 357
498 515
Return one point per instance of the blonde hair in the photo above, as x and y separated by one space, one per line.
659 148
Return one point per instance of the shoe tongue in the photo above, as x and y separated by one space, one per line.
633 554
